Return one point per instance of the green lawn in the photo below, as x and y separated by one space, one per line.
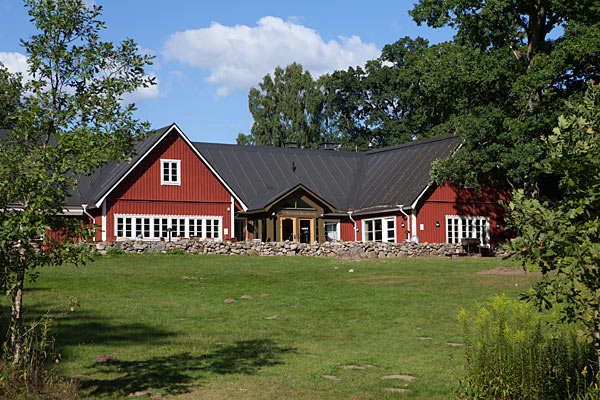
164 319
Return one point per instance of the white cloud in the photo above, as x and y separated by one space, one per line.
14 62
237 57
143 93
17 62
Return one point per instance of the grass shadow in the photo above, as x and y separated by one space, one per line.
179 373
82 327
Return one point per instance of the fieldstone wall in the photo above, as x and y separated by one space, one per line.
343 250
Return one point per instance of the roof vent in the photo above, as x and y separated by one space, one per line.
327 146
291 145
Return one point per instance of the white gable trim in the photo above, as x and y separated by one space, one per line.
173 126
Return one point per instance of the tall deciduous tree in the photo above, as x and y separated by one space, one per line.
562 237
71 120
287 107
10 96
552 67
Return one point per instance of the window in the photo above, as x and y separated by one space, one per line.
332 231
170 172
380 230
148 227
458 227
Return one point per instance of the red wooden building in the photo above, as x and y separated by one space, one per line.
176 188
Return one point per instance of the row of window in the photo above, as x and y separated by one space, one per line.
156 227
467 228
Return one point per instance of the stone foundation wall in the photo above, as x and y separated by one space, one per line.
343 250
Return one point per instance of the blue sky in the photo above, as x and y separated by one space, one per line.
209 54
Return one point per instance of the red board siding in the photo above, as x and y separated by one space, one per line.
346 230
198 183
450 200
141 192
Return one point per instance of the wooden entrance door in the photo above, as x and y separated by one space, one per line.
287 228
306 233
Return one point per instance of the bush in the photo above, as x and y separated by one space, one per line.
515 352
114 252
34 377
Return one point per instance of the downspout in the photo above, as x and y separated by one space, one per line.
407 219
354 223
84 206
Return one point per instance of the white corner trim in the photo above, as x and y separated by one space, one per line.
103 221
232 235
413 229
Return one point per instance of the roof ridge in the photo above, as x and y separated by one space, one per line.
411 144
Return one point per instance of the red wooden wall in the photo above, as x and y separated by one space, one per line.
450 200
141 192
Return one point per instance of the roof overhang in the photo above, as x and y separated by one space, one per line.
280 196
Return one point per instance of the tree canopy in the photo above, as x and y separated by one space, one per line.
561 237
70 120
500 83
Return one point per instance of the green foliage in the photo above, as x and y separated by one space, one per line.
114 252
513 352
10 96
174 252
504 138
70 121
288 107
561 238
34 376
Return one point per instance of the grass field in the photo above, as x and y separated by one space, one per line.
165 320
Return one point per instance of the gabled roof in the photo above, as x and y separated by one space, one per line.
397 175
258 175
385 177
96 186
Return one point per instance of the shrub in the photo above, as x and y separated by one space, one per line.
114 252
34 377
174 252
515 352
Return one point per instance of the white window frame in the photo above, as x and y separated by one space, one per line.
176 182
463 224
176 232
337 228
384 230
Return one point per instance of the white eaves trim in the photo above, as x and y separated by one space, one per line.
173 126
414 204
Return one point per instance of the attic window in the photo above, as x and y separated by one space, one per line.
170 172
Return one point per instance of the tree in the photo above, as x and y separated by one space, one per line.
288 107
10 96
415 91
549 71
70 121
561 238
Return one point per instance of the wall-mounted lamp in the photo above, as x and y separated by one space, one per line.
497 226
437 224
402 224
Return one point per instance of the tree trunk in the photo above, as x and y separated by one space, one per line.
15 330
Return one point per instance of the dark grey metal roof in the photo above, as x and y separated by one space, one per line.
390 176
257 174
92 188
397 175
